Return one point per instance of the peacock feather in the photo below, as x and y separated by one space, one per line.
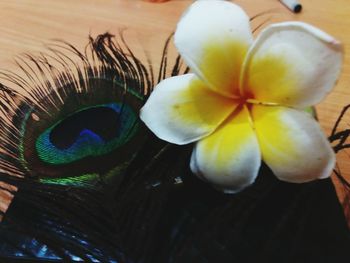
82 122
69 133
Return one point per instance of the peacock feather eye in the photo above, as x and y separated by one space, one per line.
74 121
91 132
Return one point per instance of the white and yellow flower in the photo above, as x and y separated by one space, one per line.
244 101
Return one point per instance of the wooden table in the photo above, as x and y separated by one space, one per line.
26 25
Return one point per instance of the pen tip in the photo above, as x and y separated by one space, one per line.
297 8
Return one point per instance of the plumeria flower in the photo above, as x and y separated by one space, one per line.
244 102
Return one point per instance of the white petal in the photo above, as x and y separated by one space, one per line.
213 37
182 109
230 157
293 64
292 144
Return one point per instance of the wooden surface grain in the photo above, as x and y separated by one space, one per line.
27 25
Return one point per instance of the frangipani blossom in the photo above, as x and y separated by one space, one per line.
244 102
